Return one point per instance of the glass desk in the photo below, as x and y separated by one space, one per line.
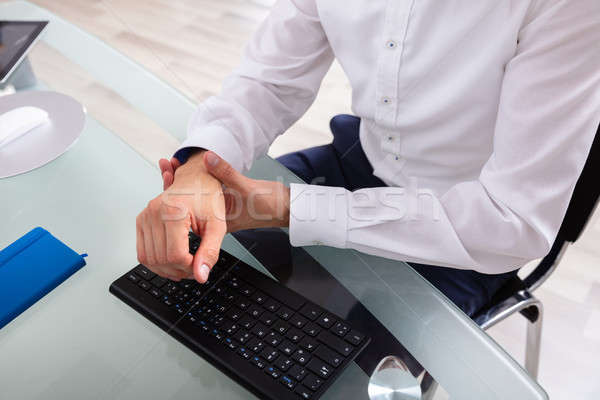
80 342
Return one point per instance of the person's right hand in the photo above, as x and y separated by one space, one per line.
193 200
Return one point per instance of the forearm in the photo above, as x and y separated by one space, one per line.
464 229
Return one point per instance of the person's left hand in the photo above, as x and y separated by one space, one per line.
249 203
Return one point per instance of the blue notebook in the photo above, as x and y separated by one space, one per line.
31 267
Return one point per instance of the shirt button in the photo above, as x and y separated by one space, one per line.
390 138
390 44
386 100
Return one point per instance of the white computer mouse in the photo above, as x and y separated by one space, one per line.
19 121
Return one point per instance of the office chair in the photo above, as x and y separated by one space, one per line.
516 295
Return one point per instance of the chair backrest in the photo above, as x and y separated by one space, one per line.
581 207
585 197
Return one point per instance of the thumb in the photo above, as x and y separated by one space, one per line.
222 170
208 252
168 179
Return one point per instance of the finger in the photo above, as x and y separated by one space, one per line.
148 245
165 166
175 163
177 242
163 272
168 179
159 237
222 170
139 242
208 252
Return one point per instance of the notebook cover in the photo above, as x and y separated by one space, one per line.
31 267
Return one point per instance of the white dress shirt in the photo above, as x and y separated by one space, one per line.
479 115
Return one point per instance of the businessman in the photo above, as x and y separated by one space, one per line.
476 115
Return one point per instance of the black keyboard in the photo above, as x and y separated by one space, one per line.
270 339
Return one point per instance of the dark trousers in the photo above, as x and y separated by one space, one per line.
343 163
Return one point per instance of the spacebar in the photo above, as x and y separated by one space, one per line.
271 287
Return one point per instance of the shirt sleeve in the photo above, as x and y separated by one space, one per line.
278 79
548 115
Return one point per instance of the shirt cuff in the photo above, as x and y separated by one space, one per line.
216 139
318 215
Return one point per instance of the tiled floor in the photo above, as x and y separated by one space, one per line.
192 44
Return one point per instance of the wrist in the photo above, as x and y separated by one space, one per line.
194 165
284 216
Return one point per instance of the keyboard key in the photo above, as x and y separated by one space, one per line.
273 372
180 309
167 301
273 339
256 345
303 392
294 335
247 321
280 327
283 363
155 292
340 329
312 382
329 356
230 328
268 318
242 336
234 283
287 347
284 313
354 337
308 343
311 329
244 353
319 367
191 317
170 288
186 284
218 320
217 334
234 313
158 281
287 382
255 311
260 330
298 321
301 356
259 297
144 272
326 320
258 362
203 325
242 302
297 372
269 354
272 305
335 343
246 290
230 344
133 277
311 311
